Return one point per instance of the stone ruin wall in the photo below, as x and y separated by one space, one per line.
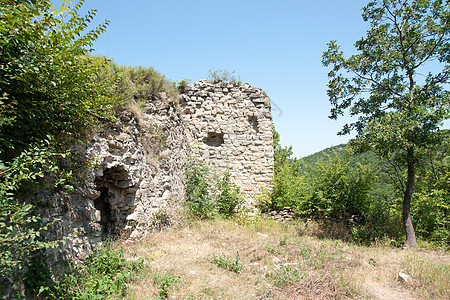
133 186
138 164
231 124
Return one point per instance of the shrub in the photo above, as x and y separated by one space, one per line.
141 84
209 193
335 188
285 275
104 273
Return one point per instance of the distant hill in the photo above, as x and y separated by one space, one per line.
313 158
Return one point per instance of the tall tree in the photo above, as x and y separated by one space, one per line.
396 85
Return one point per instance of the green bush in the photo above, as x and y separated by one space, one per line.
331 186
381 222
335 188
431 205
208 193
104 274
141 84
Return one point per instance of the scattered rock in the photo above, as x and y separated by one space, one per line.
405 278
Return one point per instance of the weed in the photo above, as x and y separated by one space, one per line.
165 281
182 84
305 252
160 220
229 263
271 248
283 241
372 262
285 275
431 276
218 75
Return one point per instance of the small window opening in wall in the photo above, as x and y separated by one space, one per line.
214 139
254 123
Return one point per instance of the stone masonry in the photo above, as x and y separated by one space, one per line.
134 183
231 125
134 179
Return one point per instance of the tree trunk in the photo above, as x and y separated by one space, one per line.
406 214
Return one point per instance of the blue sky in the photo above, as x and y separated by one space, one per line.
275 45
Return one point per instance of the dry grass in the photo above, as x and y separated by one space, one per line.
280 262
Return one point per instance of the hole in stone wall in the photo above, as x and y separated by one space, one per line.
102 204
214 139
253 120
116 200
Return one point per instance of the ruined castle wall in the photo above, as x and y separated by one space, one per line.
133 182
134 178
231 124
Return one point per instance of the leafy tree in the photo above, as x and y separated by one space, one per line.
51 95
398 109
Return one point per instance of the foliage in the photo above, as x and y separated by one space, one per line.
335 188
285 275
287 184
141 84
104 273
431 206
381 219
329 187
218 75
48 84
51 95
210 194
399 112
182 84
165 281
229 263
19 226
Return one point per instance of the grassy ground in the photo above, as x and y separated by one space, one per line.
242 259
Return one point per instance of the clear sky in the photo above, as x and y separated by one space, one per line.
275 45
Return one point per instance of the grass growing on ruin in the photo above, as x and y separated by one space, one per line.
261 259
